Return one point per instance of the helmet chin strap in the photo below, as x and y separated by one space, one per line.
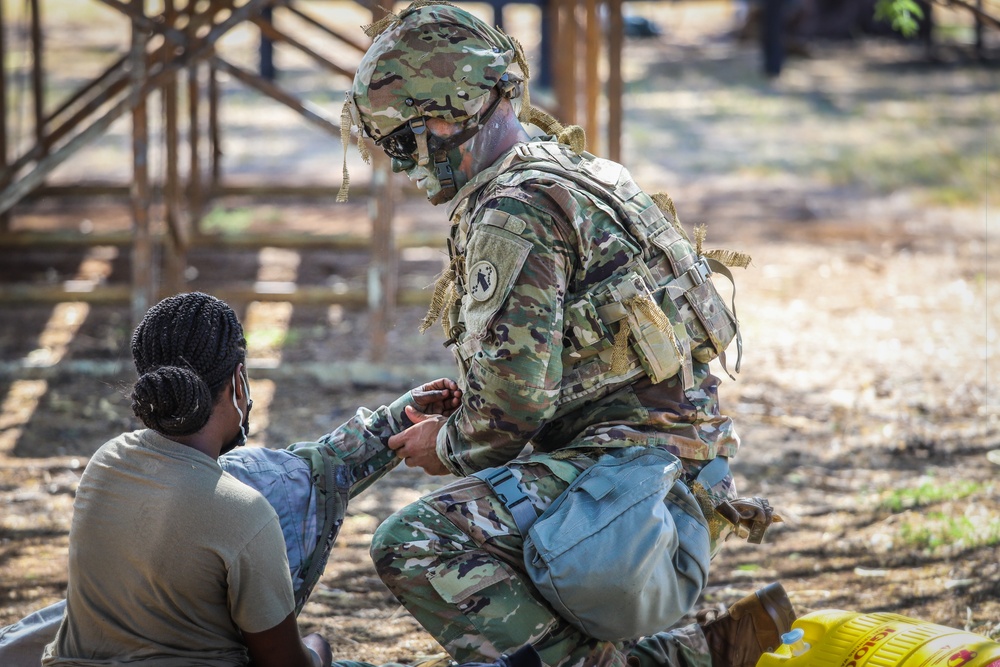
445 176
442 165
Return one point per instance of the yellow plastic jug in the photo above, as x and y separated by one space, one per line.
833 638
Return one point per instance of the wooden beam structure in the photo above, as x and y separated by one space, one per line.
172 55
587 34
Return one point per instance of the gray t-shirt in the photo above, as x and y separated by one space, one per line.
170 557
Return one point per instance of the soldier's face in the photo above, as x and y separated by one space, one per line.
424 175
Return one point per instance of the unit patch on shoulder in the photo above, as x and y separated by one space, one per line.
482 280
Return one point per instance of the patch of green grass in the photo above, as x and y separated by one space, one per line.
937 530
228 221
927 493
748 567
946 176
269 338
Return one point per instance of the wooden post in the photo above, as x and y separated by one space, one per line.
175 255
38 75
980 44
266 49
616 39
383 270
142 249
565 61
213 125
195 192
550 29
592 76
5 176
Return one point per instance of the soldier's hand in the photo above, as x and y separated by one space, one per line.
417 445
440 397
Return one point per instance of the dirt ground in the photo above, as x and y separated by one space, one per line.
863 182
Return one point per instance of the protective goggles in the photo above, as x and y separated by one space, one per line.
401 144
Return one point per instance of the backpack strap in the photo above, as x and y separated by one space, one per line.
718 267
508 490
713 472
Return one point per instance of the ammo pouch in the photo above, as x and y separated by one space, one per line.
623 552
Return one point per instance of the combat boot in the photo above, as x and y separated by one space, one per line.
748 629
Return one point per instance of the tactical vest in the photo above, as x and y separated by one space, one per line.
654 316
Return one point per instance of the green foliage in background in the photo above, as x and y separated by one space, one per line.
928 492
228 220
271 338
955 523
902 15
938 530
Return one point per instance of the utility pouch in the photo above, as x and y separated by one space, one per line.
624 551
658 351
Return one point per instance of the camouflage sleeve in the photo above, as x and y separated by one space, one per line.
359 446
513 380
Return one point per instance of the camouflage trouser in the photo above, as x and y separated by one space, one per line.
454 560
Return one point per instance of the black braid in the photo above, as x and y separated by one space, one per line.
185 350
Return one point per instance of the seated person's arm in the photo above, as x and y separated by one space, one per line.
360 444
281 646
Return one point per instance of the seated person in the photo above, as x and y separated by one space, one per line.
172 560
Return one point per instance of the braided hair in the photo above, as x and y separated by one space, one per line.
185 350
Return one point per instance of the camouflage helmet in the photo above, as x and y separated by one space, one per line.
434 60
430 61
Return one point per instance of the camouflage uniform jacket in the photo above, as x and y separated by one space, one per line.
526 246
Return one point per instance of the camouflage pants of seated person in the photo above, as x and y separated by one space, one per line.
454 560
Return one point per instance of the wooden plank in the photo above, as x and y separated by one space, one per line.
268 30
311 191
114 71
326 375
243 240
350 41
22 293
29 294
313 114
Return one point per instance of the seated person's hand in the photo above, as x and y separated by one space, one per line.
439 397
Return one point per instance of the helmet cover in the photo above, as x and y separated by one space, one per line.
433 61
